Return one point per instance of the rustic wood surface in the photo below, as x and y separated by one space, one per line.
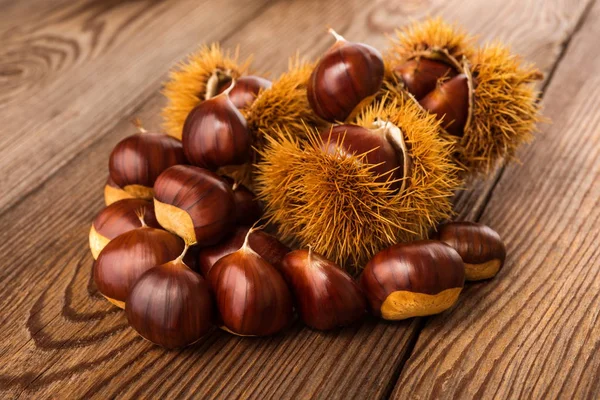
74 73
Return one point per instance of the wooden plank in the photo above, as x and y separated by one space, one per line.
533 331
61 339
81 67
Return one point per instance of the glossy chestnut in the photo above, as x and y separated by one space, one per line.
118 218
413 279
195 204
138 160
246 90
479 246
421 75
215 133
346 75
170 305
251 295
265 245
450 103
247 207
125 258
326 296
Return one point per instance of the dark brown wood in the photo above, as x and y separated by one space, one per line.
533 332
60 338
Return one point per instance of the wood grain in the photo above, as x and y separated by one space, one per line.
61 339
82 66
533 331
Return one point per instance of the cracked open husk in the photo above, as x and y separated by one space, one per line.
337 206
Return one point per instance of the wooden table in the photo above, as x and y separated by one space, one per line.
74 73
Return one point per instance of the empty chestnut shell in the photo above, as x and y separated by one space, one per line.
413 279
119 218
125 258
195 204
267 246
138 160
170 305
450 103
215 133
326 296
246 90
347 74
479 246
421 75
251 295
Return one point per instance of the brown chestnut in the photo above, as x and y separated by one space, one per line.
246 90
421 75
347 74
113 193
381 145
125 258
170 305
118 218
479 246
247 207
137 160
251 295
265 245
326 296
215 133
195 204
413 279
450 102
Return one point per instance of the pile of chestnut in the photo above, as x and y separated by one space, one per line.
174 246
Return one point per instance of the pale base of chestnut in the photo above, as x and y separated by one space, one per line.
486 270
404 304
97 242
113 194
118 303
139 191
176 221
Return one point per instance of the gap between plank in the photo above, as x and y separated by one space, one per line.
488 195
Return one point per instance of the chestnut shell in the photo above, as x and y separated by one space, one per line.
170 305
206 197
346 75
267 246
140 159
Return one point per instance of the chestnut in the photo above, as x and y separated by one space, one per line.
215 133
118 218
137 160
265 245
450 102
347 74
479 246
251 295
247 207
113 193
194 203
382 147
326 296
413 279
125 258
246 90
421 75
170 305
